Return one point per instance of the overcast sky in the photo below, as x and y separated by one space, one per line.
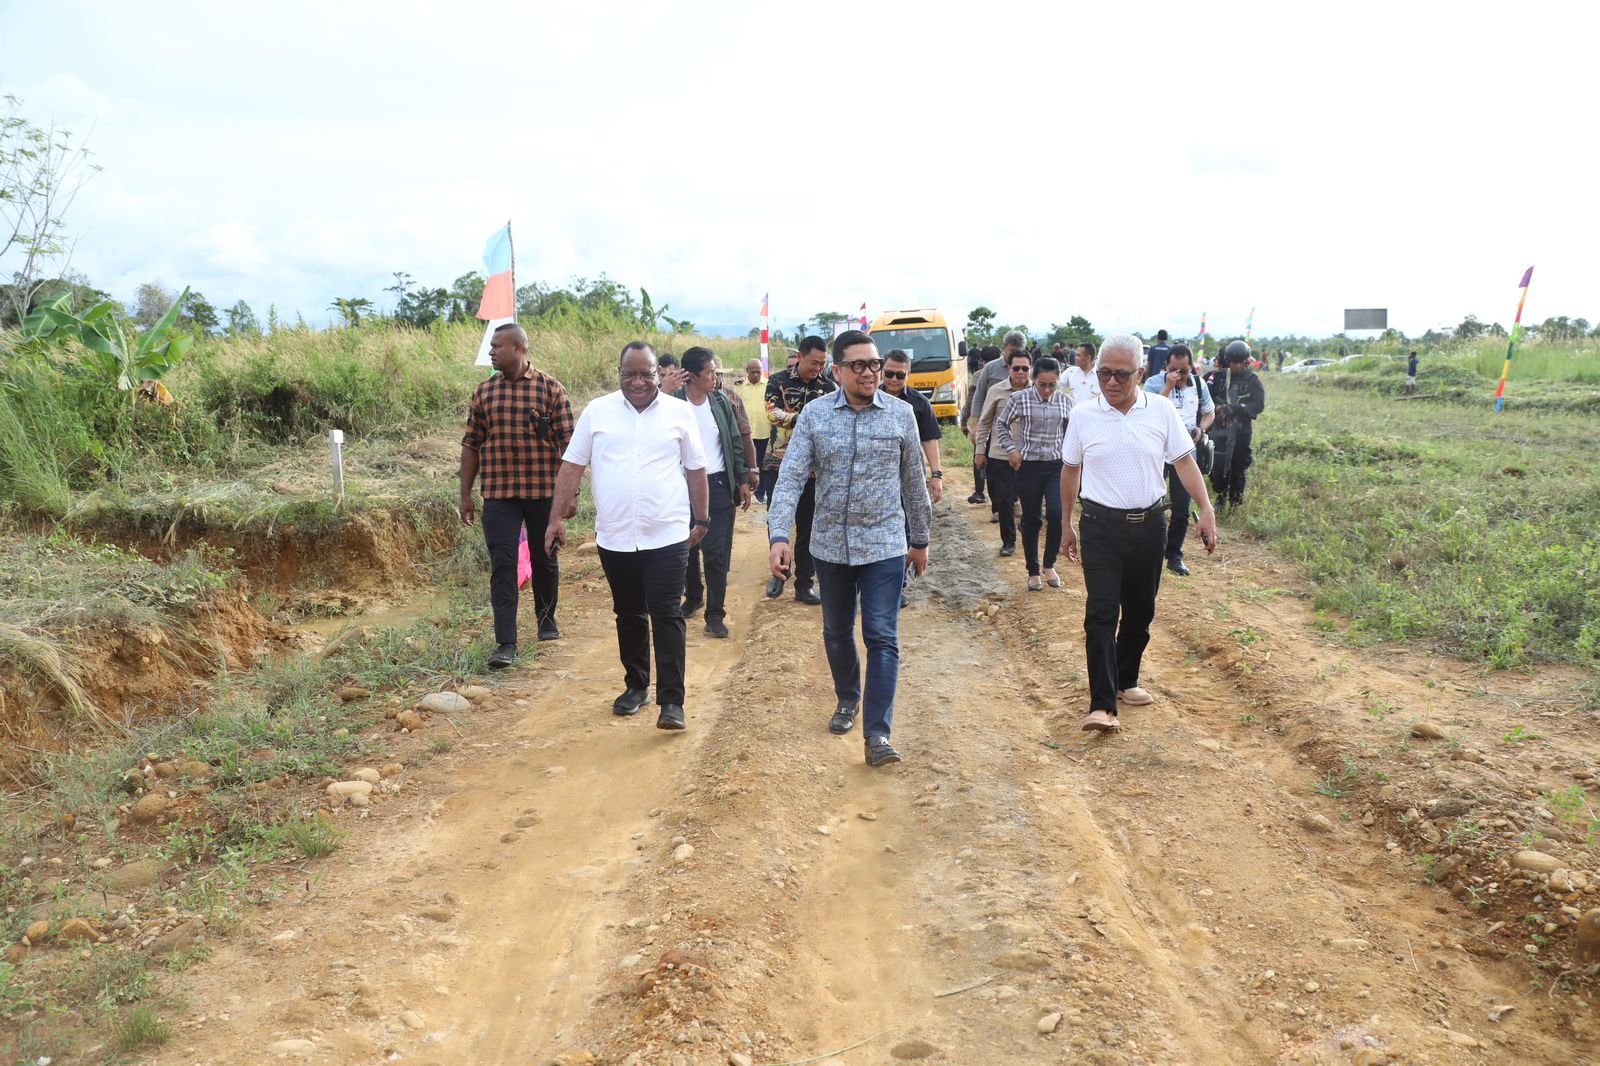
1134 163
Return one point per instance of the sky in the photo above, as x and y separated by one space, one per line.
1137 164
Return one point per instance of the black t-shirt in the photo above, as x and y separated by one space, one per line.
927 422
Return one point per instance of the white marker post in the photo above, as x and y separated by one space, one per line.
336 453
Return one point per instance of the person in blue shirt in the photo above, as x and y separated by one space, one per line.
1157 357
1180 384
1411 375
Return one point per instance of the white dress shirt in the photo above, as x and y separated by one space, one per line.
636 462
1123 456
1083 385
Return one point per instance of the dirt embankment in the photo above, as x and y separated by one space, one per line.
1213 884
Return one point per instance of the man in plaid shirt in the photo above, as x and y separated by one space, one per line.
518 425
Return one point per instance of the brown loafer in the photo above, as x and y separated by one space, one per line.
1101 722
1135 697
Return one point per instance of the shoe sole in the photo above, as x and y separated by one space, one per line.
841 732
1135 703
672 727
545 638
718 636
1102 727
620 713
499 666
889 761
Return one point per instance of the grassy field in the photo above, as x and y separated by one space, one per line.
1434 519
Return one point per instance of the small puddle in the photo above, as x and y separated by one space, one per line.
400 614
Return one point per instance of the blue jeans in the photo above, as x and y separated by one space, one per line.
877 588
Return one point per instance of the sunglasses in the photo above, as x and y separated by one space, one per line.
894 375
1106 374
863 366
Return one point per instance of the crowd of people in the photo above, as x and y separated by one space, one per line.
845 456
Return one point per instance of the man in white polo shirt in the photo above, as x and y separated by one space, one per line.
651 500
1114 454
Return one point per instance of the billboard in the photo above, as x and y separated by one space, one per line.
1366 318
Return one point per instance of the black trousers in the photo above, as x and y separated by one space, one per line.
1039 483
1227 476
978 475
1121 573
1003 497
646 590
805 571
502 531
714 552
1178 527
768 477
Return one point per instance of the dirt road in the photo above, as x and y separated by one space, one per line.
1015 892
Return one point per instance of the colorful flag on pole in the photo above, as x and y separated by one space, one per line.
1511 348
499 303
765 318
1202 336
1249 323
863 316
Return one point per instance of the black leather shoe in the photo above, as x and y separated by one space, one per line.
844 718
629 702
807 596
671 717
691 608
977 497
774 588
548 631
1175 564
503 656
716 628
1008 550
880 752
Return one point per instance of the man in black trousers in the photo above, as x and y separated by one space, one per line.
1114 455
518 424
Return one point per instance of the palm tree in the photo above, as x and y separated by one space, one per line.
351 309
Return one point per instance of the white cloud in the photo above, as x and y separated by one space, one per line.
1137 165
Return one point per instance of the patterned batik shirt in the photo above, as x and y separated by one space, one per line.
787 394
519 430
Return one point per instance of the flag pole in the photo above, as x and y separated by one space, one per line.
513 246
1511 346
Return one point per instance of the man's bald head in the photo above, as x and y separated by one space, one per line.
515 333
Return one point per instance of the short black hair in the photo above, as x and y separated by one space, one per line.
1180 351
1089 345
1161 335
813 343
666 359
897 355
635 346
991 353
848 339
1046 365
1018 354
697 359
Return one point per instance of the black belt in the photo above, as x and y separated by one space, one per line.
723 474
1100 509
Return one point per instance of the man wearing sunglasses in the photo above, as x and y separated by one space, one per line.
990 455
896 372
1114 453
871 523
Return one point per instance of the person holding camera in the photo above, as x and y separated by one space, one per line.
1240 398
1180 384
518 424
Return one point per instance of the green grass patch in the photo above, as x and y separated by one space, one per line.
1423 521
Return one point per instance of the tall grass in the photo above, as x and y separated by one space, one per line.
71 449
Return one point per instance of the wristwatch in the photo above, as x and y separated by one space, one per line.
704 523
938 474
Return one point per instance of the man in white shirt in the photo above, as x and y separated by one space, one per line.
1079 377
1181 384
1114 453
651 497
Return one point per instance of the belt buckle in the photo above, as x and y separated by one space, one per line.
1135 517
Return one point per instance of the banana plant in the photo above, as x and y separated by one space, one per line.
114 358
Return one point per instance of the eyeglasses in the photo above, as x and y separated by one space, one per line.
863 366
637 375
894 375
1106 374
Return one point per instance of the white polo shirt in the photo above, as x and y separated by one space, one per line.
636 461
1083 385
1123 456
